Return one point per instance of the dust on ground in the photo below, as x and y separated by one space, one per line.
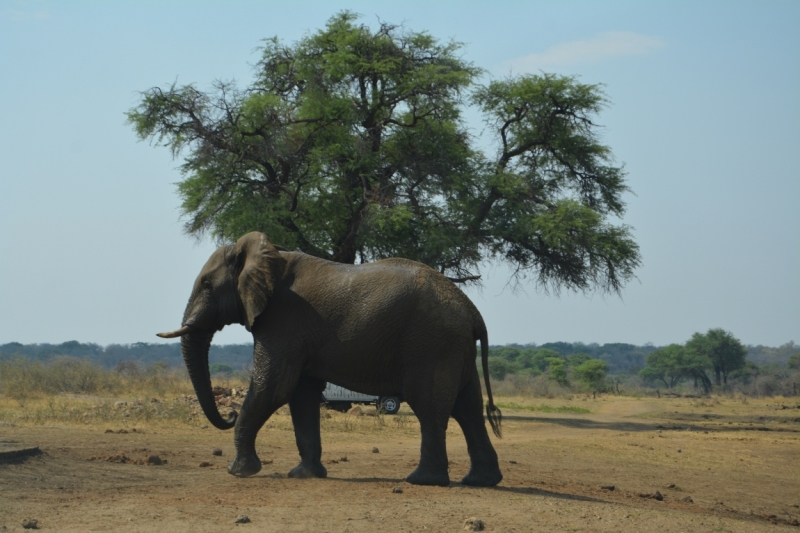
719 465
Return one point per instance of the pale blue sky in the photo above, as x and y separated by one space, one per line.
705 114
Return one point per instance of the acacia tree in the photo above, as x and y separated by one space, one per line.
350 145
671 364
724 350
592 373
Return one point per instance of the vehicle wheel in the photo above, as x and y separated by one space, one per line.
389 405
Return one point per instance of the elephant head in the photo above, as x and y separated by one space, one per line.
234 286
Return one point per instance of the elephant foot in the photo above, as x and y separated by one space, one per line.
244 467
305 471
483 478
426 477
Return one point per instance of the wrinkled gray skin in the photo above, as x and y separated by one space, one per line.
390 328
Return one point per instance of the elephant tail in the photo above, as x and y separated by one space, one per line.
494 414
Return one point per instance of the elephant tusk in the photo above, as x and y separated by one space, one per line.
177 333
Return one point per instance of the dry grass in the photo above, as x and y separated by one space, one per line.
22 379
71 391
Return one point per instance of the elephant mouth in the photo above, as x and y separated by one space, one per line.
176 333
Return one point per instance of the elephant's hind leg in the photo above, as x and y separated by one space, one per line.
304 406
431 404
468 411
432 468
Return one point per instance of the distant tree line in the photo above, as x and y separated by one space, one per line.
567 364
713 358
718 358
233 356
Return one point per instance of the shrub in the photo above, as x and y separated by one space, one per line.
220 368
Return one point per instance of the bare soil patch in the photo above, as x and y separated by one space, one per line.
565 470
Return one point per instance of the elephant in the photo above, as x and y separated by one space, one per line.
393 327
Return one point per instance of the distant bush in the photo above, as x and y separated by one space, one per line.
220 368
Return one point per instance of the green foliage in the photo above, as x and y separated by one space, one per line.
130 359
578 359
674 363
220 368
538 359
499 368
558 371
746 374
592 373
509 353
724 351
350 145
794 362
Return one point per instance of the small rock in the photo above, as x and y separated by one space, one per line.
216 451
657 496
375 450
242 519
512 462
154 460
474 524
679 451
688 499
608 487
204 464
221 391
397 490
30 523
671 486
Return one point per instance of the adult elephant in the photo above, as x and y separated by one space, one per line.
390 328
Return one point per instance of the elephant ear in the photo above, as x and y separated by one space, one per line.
262 268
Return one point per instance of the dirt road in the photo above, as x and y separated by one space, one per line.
741 473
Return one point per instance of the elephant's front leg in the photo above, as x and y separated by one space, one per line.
304 406
271 386
256 409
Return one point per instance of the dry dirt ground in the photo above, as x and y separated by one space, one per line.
738 463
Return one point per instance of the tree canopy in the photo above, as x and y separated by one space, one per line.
717 349
350 145
725 351
592 373
674 363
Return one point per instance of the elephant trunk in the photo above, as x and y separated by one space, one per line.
195 346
